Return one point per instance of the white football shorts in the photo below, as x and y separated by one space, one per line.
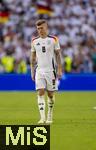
46 80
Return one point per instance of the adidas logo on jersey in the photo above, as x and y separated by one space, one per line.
38 44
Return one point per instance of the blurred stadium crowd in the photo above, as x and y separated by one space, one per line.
73 21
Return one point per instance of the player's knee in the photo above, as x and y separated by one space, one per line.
41 92
50 95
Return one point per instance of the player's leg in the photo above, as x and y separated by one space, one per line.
41 104
51 87
40 87
50 102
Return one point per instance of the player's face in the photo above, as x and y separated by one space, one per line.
42 30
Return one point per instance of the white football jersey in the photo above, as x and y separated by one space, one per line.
45 52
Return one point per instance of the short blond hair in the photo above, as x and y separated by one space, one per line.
40 22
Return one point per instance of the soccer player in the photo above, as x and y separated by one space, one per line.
45 51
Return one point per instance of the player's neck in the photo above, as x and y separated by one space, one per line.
44 36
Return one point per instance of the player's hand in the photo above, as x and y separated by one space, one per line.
33 76
59 73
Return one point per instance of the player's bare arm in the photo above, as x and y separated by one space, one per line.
59 65
33 63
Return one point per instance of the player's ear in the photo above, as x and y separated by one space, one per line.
46 24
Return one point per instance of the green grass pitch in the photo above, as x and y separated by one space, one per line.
74 126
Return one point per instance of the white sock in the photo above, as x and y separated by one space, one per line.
50 108
41 105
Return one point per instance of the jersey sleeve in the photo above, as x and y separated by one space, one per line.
56 44
32 47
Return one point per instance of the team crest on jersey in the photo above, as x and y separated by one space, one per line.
48 42
38 44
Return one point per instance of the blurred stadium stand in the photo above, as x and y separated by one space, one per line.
73 21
